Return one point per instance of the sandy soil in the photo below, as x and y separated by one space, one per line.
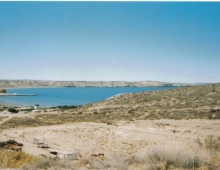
124 137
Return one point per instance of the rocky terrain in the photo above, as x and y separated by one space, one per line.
40 83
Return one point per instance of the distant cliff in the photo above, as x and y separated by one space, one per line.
41 83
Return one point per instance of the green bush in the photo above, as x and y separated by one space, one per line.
12 110
64 107
10 142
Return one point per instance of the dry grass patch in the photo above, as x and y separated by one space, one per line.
3 117
48 163
171 157
11 159
212 144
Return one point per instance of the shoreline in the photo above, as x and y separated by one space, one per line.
89 87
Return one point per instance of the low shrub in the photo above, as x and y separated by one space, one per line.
10 142
64 107
212 144
12 110
169 157
48 163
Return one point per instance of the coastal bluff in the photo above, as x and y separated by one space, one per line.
44 83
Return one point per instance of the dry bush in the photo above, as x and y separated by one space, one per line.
116 161
11 159
214 162
3 117
154 158
163 158
173 156
48 163
212 144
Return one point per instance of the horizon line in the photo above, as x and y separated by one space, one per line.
111 81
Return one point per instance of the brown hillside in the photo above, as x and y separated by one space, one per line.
185 102
197 102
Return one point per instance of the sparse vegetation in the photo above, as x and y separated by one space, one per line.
197 102
212 144
64 107
11 159
166 158
156 157
10 142
48 163
177 104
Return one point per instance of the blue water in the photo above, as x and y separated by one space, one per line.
48 97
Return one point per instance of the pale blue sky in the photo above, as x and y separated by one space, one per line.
118 41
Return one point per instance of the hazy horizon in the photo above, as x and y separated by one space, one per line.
175 42
107 81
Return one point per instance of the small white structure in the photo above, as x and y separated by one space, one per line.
38 140
36 106
65 155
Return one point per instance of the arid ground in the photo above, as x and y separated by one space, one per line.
173 129
125 137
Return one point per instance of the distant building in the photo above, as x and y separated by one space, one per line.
65 155
36 106
38 140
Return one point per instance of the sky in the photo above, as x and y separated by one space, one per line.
110 41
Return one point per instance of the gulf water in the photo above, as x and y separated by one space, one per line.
48 97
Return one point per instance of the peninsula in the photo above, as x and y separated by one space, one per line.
3 92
